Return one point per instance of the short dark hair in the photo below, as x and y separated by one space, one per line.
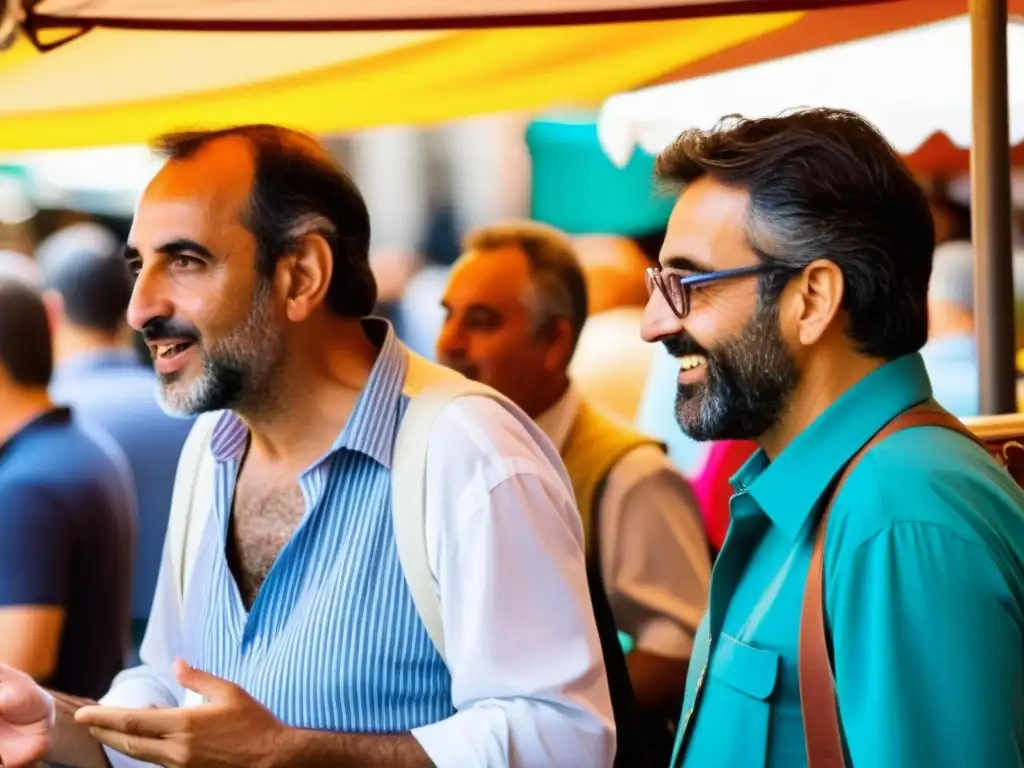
824 183
298 190
554 268
26 347
84 264
650 243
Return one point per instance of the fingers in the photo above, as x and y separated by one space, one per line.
210 687
156 723
25 753
144 748
9 674
24 703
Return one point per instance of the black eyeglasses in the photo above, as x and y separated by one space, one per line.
677 290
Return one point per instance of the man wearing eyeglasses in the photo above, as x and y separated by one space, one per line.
514 309
793 289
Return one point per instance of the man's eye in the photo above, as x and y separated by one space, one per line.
186 261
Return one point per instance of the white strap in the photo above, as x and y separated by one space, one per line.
192 500
409 493
191 505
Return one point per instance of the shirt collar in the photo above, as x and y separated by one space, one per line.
789 488
52 417
556 422
371 428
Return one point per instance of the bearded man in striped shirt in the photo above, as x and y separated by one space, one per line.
296 629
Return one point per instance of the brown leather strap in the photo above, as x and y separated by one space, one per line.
822 732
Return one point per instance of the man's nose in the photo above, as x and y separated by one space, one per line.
659 320
449 343
150 299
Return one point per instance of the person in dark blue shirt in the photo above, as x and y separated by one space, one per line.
66 519
104 381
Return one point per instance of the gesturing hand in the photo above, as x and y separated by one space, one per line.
27 717
230 730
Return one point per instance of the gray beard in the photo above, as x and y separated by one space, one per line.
238 370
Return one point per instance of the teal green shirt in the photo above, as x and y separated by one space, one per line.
924 588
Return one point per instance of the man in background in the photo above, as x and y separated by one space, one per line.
99 375
515 308
616 296
951 354
66 515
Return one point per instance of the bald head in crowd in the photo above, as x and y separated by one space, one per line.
84 269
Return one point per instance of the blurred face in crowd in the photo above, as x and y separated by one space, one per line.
736 371
614 268
211 322
490 330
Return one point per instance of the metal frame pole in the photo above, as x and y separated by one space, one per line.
990 206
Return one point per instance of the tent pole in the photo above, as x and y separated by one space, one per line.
990 206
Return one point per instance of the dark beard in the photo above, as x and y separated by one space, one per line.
747 383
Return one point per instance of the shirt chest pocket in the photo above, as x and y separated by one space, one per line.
742 680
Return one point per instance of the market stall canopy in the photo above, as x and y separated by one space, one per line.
840 23
114 86
121 86
911 84
348 15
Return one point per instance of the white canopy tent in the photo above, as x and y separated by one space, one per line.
911 84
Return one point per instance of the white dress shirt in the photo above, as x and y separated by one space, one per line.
654 554
505 546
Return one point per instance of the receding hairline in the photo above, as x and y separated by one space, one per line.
545 248
255 140
236 181
524 235
181 145
549 253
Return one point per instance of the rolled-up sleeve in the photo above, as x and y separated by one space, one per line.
927 651
506 548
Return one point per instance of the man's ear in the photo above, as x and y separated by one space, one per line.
558 335
305 277
819 294
54 304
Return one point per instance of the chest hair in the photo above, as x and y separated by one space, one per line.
265 515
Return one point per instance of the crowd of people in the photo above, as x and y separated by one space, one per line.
214 558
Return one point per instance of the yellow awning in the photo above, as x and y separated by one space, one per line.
125 86
364 15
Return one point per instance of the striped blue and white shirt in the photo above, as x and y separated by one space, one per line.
333 641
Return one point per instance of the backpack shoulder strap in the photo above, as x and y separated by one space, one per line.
434 391
822 732
191 501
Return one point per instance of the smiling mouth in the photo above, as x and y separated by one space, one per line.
692 362
168 351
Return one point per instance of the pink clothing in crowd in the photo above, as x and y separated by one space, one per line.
713 489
